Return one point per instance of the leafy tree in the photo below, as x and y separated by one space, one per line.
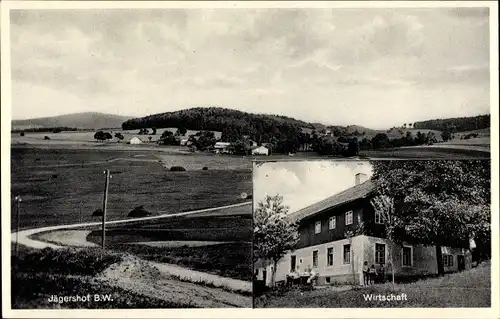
274 232
119 136
384 205
206 140
153 131
352 147
441 203
349 234
107 136
168 138
182 130
446 135
99 136
380 141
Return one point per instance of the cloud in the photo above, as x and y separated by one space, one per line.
304 183
336 66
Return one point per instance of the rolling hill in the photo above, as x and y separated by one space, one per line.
86 120
232 123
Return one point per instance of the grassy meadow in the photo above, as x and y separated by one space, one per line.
57 185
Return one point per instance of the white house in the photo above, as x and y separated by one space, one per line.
324 247
135 140
221 147
260 150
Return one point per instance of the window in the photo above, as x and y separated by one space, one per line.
329 256
328 280
293 263
407 256
317 227
348 218
380 254
448 260
378 218
332 222
347 254
315 259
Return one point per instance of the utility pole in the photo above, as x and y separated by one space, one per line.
104 203
18 209
81 216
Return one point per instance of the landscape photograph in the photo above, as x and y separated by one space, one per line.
133 134
372 234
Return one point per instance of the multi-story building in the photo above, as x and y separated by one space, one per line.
324 247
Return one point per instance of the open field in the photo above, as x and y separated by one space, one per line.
470 288
436 151
57 184
87 136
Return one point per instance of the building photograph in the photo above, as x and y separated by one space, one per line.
337 228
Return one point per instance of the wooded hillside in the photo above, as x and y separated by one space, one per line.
232 123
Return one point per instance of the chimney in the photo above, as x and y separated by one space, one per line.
360 178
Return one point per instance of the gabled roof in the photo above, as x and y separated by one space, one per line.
362 190
256 147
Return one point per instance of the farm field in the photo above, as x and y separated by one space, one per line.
87 136
435 151
60 185
469 288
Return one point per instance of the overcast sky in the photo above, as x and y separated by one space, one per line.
302 183
371 67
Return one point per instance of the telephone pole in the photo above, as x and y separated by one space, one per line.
18 209
104 204
81 216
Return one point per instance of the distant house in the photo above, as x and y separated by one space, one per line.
184 141
135 140
324 247
260 150
221 147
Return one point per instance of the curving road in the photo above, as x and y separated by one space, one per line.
23 237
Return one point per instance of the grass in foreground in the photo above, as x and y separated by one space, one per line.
470 288
36 275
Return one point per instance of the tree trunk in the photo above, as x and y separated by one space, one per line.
439 258
273 273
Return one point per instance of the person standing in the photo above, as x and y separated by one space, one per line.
366 280
381 273
372 274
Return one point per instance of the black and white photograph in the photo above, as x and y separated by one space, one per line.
365 234
204 154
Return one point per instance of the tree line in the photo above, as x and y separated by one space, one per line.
458 124
57 129
232 123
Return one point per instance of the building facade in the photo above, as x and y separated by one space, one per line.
324 247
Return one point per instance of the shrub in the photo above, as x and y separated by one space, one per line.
205 168
139 211
97 212
22 134
177 169
46 138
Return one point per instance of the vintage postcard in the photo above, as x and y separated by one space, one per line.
366 234
143 144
